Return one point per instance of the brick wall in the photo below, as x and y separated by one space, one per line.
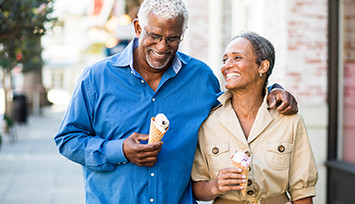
198 29
298 30
303 48
349 31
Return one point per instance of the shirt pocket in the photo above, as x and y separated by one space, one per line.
278 155
219 155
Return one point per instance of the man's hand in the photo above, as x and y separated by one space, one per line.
141 154
283 101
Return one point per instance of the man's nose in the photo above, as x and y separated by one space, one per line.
162 44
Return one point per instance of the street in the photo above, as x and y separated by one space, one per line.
31 169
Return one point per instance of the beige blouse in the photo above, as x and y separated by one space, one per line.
282 158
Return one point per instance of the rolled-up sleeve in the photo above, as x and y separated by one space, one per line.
200 170
303 170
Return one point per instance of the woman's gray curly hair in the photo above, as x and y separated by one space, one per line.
167 9
263 49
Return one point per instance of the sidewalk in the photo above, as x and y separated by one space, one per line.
31 169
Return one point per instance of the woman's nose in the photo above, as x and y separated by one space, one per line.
227 64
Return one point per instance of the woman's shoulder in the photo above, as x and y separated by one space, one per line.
294 118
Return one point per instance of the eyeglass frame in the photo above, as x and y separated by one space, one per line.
158 38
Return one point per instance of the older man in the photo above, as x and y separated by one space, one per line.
111 107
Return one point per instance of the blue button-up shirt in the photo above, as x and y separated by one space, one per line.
110 102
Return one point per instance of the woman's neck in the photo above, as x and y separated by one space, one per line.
246 105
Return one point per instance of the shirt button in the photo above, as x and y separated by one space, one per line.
281 148
152 174
250 192
215 150
153 99
249 182
142 81
151 200
247 153
249 168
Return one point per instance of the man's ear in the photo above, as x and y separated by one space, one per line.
264 67
137 28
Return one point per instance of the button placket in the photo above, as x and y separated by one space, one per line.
152 184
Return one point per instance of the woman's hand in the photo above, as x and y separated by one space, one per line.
227 180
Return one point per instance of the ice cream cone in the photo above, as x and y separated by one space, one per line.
155 135
245 172
242 160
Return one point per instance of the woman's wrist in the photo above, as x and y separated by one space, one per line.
214 188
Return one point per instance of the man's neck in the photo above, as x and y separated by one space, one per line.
150 75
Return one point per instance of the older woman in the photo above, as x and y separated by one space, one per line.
282 163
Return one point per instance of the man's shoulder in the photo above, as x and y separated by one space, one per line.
98 68
189 60
103 64
107 61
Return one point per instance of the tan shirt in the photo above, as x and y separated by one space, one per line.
282 158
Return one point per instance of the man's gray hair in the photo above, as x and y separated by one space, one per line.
167 9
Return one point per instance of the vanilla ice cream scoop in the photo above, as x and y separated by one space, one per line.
161 122
241 158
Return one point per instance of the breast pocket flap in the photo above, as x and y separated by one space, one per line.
217 149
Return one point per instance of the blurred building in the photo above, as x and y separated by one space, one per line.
315 61
86 32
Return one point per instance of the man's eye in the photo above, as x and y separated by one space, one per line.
173 39
155 37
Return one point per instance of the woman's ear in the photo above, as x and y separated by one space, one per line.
137 28
264 67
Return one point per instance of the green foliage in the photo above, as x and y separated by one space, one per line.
8 120
23 17
22 22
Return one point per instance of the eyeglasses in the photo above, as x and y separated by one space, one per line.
158 38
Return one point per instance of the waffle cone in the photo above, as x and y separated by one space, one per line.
244 172
155 134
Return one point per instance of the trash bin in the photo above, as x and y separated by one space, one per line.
19 108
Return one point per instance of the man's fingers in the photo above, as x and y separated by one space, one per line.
141 154
272 102
138 137
147 161
151 147
283 106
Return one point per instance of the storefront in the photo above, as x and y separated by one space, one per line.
341 100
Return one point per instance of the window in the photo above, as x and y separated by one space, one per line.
347 81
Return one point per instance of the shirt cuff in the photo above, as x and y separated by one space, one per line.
114 151
303 193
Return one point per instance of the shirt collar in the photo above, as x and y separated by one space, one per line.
126 58
226 97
